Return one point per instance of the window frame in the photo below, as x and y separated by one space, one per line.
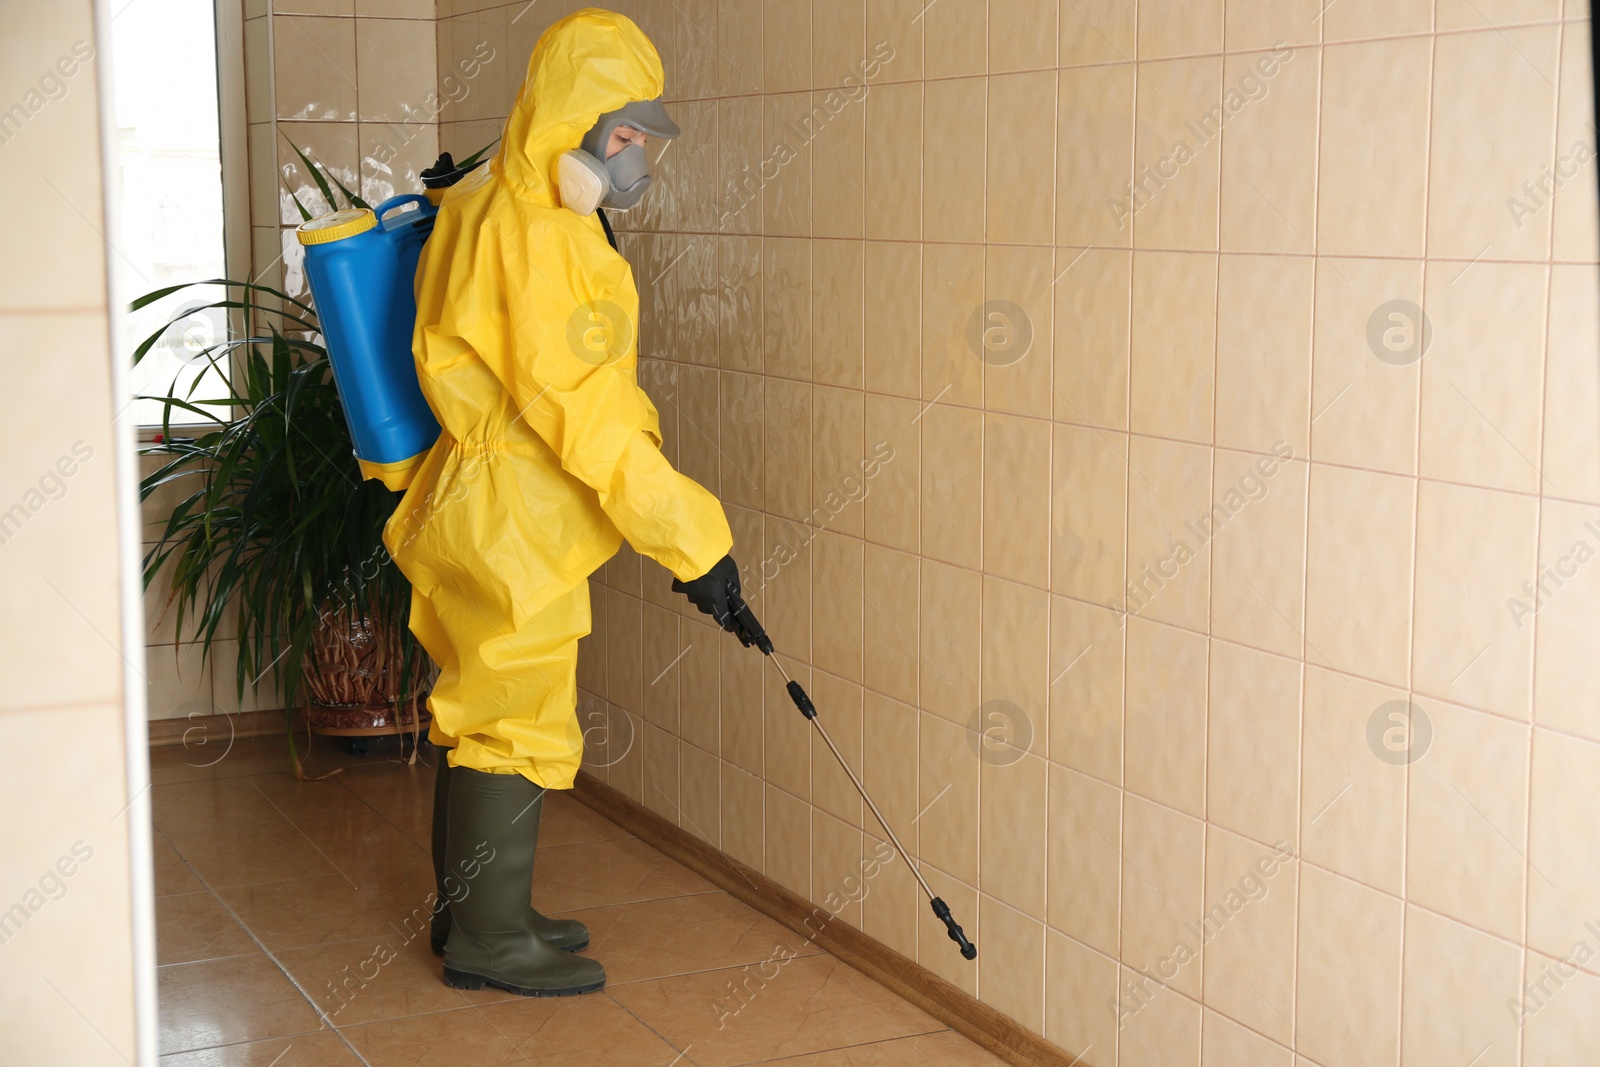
233 148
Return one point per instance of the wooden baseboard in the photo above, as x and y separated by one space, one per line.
971 1018
215 727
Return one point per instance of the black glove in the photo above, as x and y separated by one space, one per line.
711 591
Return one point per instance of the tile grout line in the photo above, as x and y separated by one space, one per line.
1053 420
883 1042
1222 53
1416 531
344 783
322 1016
1210 546
1123 629
1524 960
683 1053
1049 530
919 681
1377 257
1305 540
1343 674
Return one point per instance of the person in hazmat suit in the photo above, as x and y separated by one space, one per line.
549 455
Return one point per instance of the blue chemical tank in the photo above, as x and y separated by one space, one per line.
362 265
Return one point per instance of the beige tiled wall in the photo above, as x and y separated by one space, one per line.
1185 547
67 903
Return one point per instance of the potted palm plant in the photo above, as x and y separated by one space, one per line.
276 525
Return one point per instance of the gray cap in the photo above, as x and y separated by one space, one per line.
647 116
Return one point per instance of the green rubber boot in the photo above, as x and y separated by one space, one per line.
569 935
493 833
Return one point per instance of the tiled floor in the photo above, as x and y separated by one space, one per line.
291 930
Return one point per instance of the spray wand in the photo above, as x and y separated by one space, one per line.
742 622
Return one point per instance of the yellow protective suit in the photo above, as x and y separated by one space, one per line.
550 451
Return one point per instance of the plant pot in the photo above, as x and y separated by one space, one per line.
358 681
371 721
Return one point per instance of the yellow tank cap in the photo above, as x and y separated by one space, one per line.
336 227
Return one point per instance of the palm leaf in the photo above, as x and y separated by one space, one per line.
316 176
479 154
275 525
352 198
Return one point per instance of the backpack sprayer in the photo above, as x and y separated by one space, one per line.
361 264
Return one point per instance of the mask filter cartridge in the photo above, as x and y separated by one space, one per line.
584 181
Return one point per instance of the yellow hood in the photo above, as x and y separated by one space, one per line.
586 64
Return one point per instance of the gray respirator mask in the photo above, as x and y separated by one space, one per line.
588 180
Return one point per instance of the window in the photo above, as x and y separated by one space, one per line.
169 153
